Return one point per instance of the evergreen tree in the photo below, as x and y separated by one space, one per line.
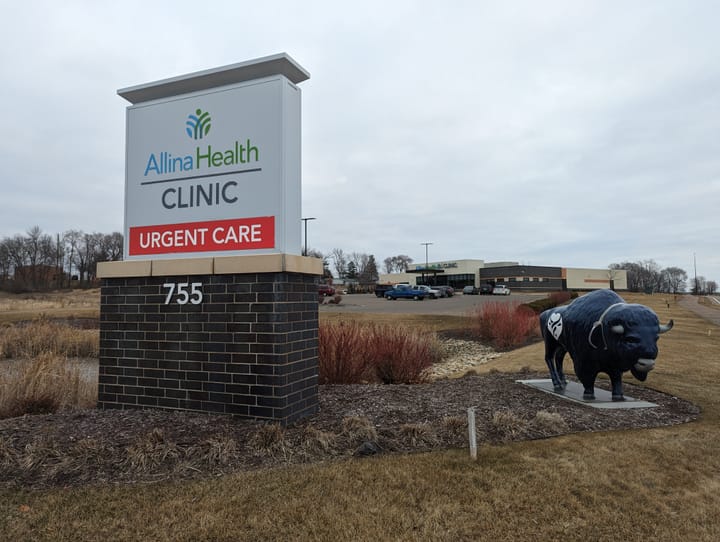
370 273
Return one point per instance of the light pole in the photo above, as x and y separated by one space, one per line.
426 258
305 220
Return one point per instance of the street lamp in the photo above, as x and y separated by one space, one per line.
426 257
305 220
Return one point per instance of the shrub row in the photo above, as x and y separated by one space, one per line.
350 353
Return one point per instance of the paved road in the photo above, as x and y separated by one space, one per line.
457 305
708 313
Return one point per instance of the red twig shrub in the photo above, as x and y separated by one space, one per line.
341 352
402 355
504 325
350 352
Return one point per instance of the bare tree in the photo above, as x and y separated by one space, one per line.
403 262
397 264
17 253
37 261
643 276
110 247
40 254
314 253
340 261
72 240
85 257
389 265
674 280
5 261
359 259
95 250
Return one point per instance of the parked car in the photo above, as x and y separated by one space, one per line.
470 290
432 293
405 291
486 289
501 289
326 290
445 291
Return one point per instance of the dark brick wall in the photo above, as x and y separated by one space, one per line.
525 277
249 349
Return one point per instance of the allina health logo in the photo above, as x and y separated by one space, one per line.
197 126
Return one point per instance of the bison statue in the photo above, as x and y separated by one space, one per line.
602 334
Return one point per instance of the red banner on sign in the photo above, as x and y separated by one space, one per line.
212 236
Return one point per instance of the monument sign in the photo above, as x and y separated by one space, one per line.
213 308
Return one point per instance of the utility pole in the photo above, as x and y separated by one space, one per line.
697 290
305 220
58 270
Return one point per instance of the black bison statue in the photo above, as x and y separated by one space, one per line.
602 334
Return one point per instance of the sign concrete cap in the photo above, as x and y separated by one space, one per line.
279 64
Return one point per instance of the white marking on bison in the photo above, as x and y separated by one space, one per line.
554 325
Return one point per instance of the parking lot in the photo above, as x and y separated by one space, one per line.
457 305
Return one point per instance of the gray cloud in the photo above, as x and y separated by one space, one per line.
562 133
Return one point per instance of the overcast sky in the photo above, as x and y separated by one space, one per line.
568 133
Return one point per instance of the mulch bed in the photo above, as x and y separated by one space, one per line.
84 447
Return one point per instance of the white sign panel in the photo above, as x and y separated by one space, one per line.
214 172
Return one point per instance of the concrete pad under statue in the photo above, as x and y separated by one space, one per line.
574 392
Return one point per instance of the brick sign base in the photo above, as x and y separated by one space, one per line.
242 344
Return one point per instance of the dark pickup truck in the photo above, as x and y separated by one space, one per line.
405 291
380 289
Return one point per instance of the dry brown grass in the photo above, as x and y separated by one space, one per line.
549 421
40 372
56 304
42 336
658 484
43 384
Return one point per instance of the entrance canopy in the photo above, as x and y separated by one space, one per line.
428 271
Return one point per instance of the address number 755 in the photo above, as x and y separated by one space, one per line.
184 291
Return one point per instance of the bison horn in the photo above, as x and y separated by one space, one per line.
667 327
618 329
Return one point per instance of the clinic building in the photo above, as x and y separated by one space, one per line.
461 273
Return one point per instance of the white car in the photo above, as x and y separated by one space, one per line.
501 289
432 293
